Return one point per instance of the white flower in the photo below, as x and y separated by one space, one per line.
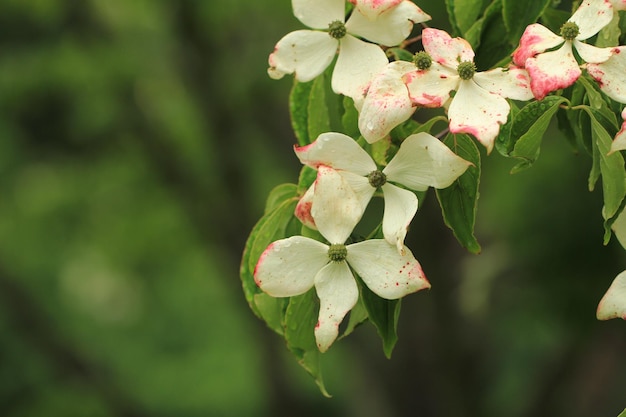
479 106
307 53
550 71
421 162
619 4
387 102
292 266
619 142
613 303
610 74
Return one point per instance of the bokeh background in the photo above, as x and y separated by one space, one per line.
138 141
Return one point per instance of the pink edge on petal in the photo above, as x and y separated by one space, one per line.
303 213
541 84
257 281
303 149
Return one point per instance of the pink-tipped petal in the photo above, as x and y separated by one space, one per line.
288 266
303 209
535 39
552 71
431 87
476 111
391 27
423 161
387 103
619 144
318 14
337 151
446 50
613 303
373 8
591 16
356 65
610 75
338 293
511 83
336 208
400 208
306 53
384 270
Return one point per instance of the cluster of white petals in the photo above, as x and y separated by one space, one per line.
292 266
307 53
556 69
479 106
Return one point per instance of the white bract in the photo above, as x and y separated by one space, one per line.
613 303
421 162
619 142
479 106
307 53
556 69
292 266
610 74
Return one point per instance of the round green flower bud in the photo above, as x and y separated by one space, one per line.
422 60
337 29
377 178
569 31
466 70
337 252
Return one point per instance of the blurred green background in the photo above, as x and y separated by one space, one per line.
138 141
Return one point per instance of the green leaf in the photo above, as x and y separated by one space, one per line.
350 119
306 179
300 321
609 35
318 121
384 316
452 17
553 19
459 201
474 33
519 14
528 128
504 145
298 108
611 167
271 310
358 315
623 414
399 54
278 195
466 12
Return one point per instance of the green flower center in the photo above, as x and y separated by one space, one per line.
422 60
377 178
337 252
466 70
337 29
569 31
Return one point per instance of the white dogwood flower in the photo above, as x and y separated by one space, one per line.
421 162
556 69
479 106
292 266
613 303
307 53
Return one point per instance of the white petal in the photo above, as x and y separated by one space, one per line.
535 39
619 144
400 208
592 54
318 14
336 208
619 228
446 50
373 8
511 83
337 151
386 272
610 75
361 187
613 304
303 208
618 4
478 112
387 103
431 87
553 70
338 293
356 65
305 52
288 266
423 161
391 27
591 16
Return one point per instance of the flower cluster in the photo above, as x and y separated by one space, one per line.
354 35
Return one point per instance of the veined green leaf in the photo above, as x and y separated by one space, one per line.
466 12
474 34
278 195
519 14
350 119
298 108
300 321
358 315
458 202
318 112
384 316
